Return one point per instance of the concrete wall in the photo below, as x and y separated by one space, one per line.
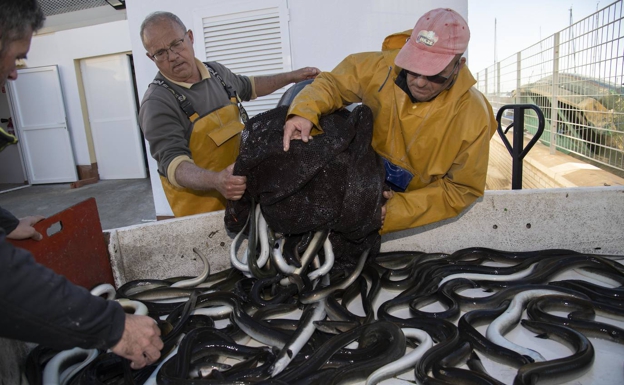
587 220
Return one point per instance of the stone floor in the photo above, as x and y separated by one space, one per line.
122 202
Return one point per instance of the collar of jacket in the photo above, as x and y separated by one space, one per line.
401 82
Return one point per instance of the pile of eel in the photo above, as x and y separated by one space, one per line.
284 314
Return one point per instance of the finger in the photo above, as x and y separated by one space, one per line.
152 354
36 219
37 236
287 136
138 362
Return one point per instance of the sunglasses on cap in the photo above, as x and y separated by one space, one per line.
437 79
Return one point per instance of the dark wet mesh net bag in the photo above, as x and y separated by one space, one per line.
334 181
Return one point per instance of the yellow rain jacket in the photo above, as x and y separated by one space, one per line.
444 142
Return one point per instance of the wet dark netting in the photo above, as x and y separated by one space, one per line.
334 181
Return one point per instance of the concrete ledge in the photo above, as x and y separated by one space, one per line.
582 219
164 249
588 220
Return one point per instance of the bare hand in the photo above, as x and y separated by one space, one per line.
231 186
25 229
140 342
305 74
297 128
388 195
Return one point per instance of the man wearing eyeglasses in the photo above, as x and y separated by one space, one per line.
431 127
192 116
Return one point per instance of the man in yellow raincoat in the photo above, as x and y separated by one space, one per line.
431 127
192 117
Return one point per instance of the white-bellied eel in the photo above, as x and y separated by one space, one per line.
328 263
539 310
407 361
312 312
448 370
389 345
131 288
166 294
200 278
256 330
603 278
319 294
467 328
549 268
278 259
318 241
506 321
443 296
253 262
202 341
601 294
64 360
263 236
559 370
278 293
105 288
132 307
237 263
385 335
474 303
490 277
308 255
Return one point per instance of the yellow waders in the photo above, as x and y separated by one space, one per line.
214 145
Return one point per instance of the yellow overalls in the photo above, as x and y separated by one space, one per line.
214 145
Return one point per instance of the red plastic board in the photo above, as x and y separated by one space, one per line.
73 245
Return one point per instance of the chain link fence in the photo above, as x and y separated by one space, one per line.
576 77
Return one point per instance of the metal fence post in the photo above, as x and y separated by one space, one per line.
518 76
498 78
486 82
554 115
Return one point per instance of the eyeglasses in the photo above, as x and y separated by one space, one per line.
437 79
176 47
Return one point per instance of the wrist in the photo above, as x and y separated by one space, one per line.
292 77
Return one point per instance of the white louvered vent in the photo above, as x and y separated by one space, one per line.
248 43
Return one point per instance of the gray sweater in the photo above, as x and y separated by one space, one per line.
165 125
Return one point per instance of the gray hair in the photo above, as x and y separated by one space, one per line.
18 18
157 17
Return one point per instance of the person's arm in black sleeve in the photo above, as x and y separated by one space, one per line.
8 221
40 306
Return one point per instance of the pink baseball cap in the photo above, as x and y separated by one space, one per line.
437 37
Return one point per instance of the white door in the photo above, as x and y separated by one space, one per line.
39 116
12 172
109 91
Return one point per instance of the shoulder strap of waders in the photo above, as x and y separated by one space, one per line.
184 103
234 98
